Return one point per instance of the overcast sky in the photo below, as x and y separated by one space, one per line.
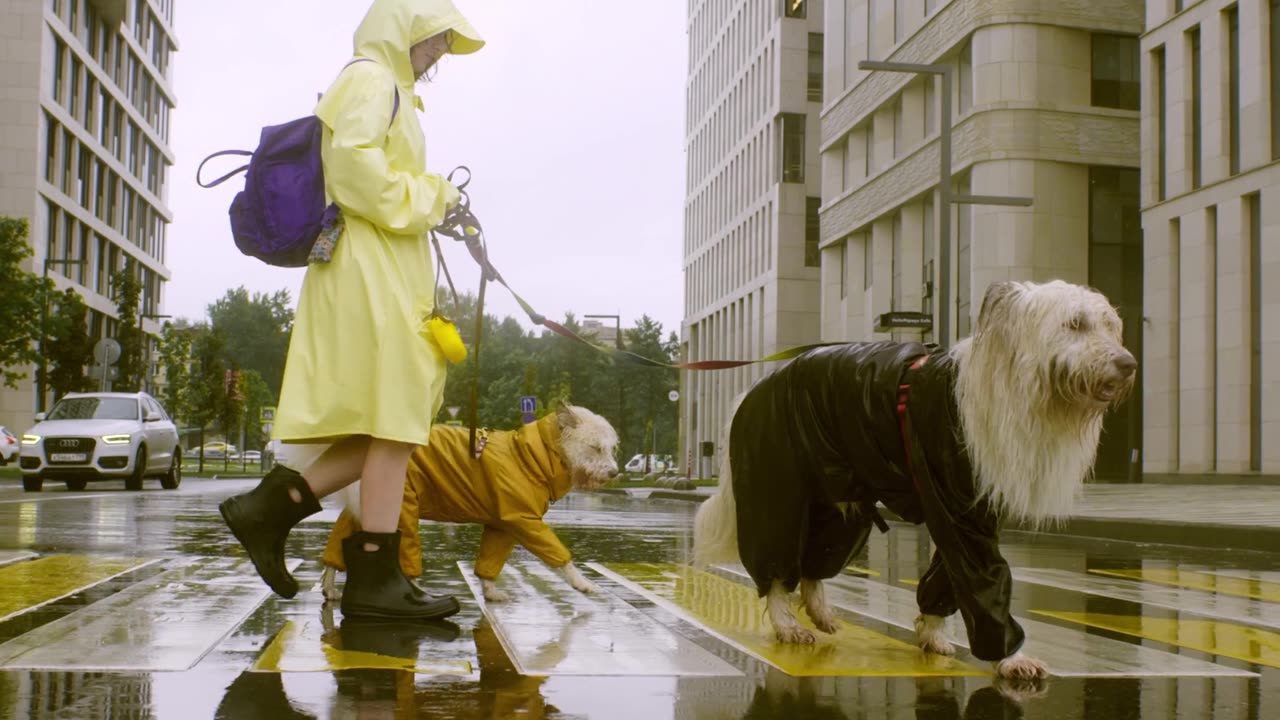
571 118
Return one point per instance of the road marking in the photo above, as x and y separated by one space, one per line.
548 628
318 646
29 585
1068 653
52 498
1194 580
1252 645
8 557
164 623
733 613
1196 602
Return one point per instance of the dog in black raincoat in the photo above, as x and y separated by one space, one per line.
1005 425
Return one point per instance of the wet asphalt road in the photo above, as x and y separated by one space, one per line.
137 605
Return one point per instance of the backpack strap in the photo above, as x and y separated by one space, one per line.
226 177
395 105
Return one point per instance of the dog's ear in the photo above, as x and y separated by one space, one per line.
565 414
993 302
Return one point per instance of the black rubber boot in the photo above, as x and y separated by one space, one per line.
376 587
261 520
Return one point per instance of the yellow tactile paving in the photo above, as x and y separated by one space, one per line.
308 646
734 613
37 582
1253 645
1195 580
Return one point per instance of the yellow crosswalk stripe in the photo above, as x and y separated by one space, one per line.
307 646
28 585
1253 645
733 612
1194 580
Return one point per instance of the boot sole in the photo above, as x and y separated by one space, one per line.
375 614
231 516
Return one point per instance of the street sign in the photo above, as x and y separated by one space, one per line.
453 411
902 320
95 372
267 414
106 351
528 404
528 418
674 395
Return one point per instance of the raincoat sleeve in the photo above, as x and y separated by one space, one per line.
968 572
358 175
538 538
496 545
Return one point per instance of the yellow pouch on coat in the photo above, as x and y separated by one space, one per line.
446 337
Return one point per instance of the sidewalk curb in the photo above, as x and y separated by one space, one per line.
1200 535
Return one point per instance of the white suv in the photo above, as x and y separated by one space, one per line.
102 436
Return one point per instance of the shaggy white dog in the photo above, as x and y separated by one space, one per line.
1005 425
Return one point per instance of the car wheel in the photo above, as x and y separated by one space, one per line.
77 484
134 481
173 478
32 483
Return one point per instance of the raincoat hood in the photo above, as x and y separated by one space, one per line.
392 27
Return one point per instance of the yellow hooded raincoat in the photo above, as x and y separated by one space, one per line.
358 362
513 485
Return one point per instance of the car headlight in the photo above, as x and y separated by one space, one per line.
116 439
30 439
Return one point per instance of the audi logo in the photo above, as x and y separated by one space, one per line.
68 443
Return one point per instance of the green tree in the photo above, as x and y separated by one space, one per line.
648 387
126 287
22 297
175 357
256 394
70 349
257 329
205 392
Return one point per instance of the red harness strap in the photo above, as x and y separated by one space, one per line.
903 391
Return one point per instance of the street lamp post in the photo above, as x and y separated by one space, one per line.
42 382
945 198
617 341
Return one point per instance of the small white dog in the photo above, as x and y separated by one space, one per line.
508 490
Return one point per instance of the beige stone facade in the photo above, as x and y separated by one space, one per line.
85 98
1044 105
751 262
1211 217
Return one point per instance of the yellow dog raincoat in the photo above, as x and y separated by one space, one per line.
508 490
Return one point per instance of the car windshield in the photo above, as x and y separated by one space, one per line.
95 408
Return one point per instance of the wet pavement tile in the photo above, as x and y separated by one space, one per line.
139 605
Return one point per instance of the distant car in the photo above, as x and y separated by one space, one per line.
636 464
102 436
252 456
8 446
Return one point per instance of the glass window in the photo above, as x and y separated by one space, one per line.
1233 82
795 8
1162 116
815 67
1275 78
1115 71
812 255
1196 89
792 147
95 408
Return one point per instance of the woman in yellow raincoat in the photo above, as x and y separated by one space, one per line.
361 372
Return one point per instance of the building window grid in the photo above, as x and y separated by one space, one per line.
1193 40
1114 71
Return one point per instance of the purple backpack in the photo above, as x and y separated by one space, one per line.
282 208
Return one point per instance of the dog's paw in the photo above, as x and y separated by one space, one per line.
795 635
585 586
824 619
329 585
492 593
930 636
1020 667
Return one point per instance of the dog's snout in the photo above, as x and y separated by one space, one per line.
613 473
1125 364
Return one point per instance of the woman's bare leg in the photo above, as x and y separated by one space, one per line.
382 485
338 467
